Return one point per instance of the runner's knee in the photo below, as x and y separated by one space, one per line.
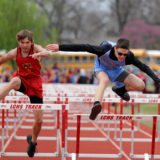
38 121
104 81
15 83
140 85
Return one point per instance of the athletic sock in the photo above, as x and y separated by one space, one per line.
96 102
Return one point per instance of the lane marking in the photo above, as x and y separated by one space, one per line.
12 135
125 155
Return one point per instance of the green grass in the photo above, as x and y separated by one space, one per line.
151 109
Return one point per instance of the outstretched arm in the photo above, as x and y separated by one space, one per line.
41 54
8 56
98 50
53 47
39 51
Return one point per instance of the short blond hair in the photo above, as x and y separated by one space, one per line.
24 34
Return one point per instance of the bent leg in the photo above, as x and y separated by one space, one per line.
133 83
15 84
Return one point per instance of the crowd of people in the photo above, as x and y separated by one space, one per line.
75 76
62 75
5 75
57 75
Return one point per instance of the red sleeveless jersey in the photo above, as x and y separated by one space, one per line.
28 66
29 73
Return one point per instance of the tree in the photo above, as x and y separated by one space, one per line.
122 11
142 35
17 15
72 19
151 11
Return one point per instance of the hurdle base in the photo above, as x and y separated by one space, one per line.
82 155
23 154
143 156
136 139
88 139
39 138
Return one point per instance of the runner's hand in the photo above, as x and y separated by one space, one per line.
53 47
35 55
40 54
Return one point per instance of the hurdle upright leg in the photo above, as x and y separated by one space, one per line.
2 141
63 133
15 122
132 132
7 124
78 136
58 130
153 137
115 126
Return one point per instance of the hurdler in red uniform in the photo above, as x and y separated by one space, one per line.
29 73
27 80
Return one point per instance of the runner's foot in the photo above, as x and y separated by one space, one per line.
124 95
31 147
95 111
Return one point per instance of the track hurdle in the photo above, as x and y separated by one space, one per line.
25 99
59 107
151 155
78 155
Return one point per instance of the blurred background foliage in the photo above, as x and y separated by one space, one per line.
74 21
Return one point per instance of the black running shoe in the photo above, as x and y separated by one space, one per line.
31 147
95 111
124 95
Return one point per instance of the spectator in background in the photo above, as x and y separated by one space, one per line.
55 67
83 79
6 75
55 76
63 77
75 76
46 76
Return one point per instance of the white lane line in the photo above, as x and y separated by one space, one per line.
12 135
125 155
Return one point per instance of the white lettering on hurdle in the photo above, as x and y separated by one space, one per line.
35 106
124 118
16 106
117 117
30 106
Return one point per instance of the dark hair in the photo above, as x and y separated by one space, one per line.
24 34
122 43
